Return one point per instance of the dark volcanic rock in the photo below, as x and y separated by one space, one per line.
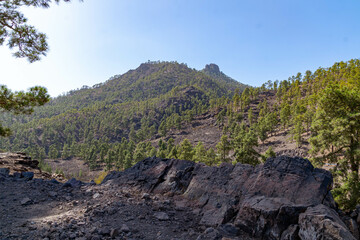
321 222
21 166
285 198
265 201
73 183
4 171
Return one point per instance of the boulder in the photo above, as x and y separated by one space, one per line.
26 201
27 175
4 172
73 183
210 234
322 222
162 216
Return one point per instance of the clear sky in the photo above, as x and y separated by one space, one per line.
251 40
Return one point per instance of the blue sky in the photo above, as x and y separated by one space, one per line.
252 41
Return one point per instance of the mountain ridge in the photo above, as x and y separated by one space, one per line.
136 105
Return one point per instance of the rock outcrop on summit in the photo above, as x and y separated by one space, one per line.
284 198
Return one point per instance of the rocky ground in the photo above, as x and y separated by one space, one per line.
285 198
47 209
38 209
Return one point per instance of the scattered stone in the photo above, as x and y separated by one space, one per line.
146 196
96 195
229 229
105 231
63 235
167 202
114 233
124 228
52 194
26 201
162 216
72 236
210 234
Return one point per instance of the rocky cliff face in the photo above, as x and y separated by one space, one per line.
285 198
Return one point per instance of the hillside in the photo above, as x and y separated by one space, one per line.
133 107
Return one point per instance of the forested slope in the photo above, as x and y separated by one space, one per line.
128 108
320 110
117 123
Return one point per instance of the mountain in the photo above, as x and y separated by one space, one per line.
169 110
136 106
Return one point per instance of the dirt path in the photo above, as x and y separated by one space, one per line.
43 209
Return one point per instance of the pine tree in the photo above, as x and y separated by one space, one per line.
13 25
285 114
19 102
53 152
211 158
186 150
244 145
269 153
250 116
128 160
199 153
109 160
223 148
65 152
336 136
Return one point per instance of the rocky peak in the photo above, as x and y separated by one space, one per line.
212 69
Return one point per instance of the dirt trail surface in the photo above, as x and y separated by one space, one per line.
40 209
43 209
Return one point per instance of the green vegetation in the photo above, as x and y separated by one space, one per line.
20 102
30 43
336 129
325 104
108 123
111 124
